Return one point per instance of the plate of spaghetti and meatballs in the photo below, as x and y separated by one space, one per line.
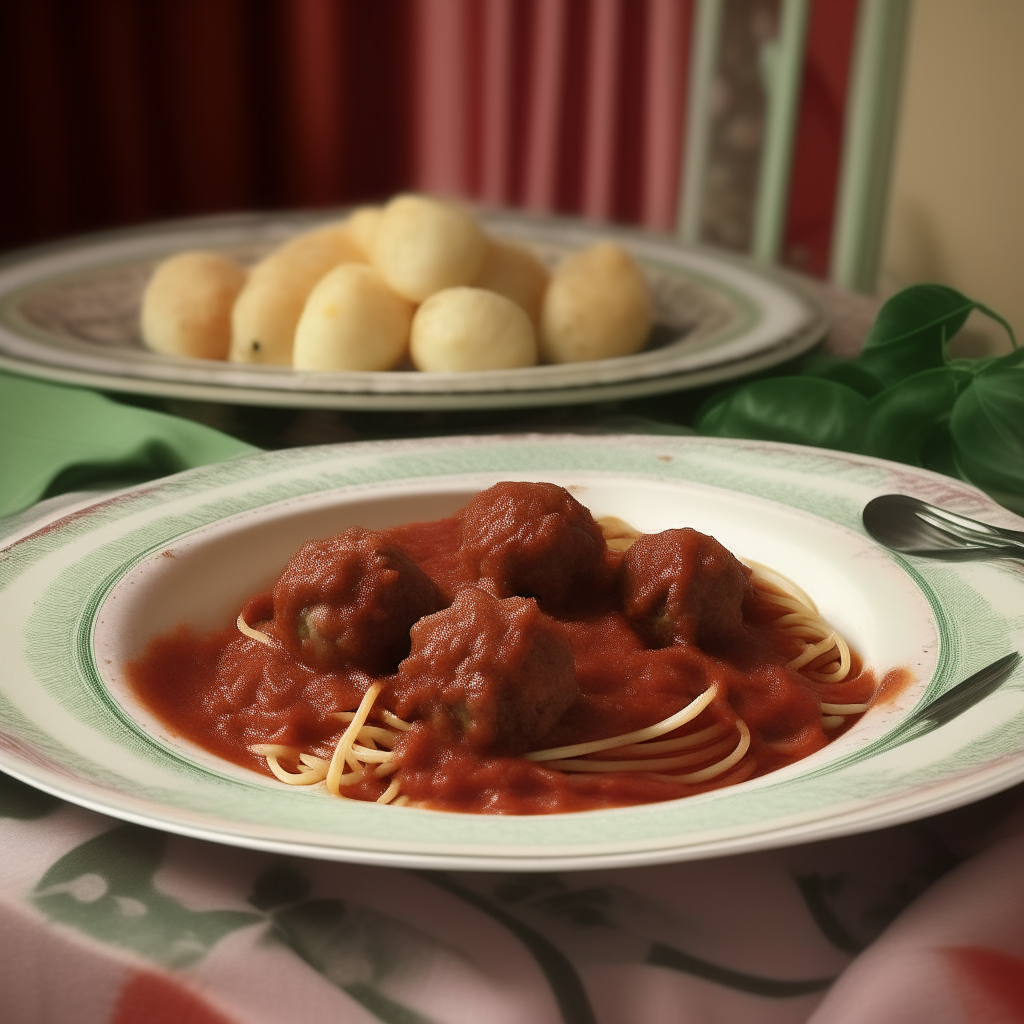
519 652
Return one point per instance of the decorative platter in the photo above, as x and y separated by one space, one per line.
69 312
81 594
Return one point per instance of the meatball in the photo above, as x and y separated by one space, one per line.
494 675
349 601
681 586
532 540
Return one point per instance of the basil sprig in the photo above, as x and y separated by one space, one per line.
903 398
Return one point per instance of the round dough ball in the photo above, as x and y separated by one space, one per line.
422 245
361 225
513 271
352 321
597 306
268 308
186 307
462 329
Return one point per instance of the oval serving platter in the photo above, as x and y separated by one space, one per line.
69 312
81 594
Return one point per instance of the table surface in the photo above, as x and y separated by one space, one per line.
103 921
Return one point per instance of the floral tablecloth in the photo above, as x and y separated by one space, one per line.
104 922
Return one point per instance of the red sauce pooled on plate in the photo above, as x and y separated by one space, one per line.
510 627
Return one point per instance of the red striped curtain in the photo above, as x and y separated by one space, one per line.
554 105
118 111
121 111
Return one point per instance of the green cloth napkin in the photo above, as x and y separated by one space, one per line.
56 438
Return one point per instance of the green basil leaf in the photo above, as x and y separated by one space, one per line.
800 410
987 427
937 452
903 418
911 330
972 366
842 371
1011 359
717 398
993 315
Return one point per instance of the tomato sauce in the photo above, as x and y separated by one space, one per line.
508 628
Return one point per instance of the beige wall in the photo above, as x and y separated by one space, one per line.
957 201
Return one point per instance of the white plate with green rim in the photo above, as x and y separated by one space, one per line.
83 594
69 312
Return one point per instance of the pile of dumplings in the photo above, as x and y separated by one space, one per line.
415 281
